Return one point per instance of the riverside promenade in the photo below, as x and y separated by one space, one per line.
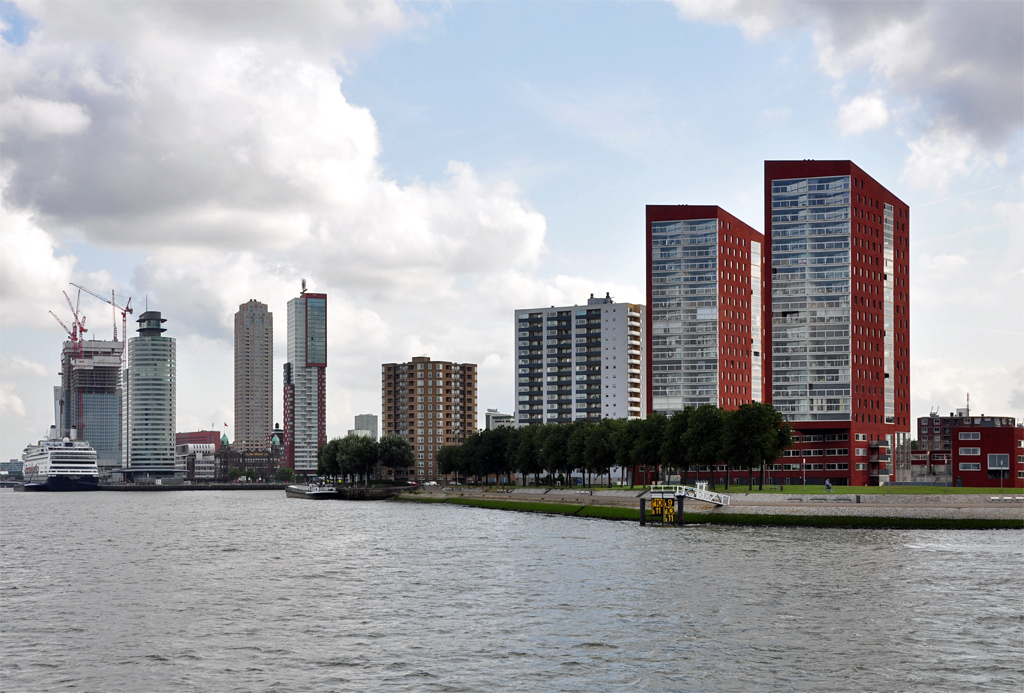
951 506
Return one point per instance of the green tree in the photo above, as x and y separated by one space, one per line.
553 447
599 450
703 438
448 460
233 474
624 442
327 459
285 474
576 447
673 447
524 451
776 437
741 432
646 450
357 457
395 452
493 452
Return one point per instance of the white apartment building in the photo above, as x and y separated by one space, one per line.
580 362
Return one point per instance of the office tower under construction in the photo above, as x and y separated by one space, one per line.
90 397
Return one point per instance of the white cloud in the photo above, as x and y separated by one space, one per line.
39 118
958 63
32 275
223 150
10 403
937 156
11 364
867 112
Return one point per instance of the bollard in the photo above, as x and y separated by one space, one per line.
679 515
858 499
643 512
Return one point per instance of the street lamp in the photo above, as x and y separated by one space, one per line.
803 467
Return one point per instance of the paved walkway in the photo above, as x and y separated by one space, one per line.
952 506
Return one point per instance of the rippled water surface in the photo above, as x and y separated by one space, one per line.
250 591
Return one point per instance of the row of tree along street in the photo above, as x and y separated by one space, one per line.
693 439
354 458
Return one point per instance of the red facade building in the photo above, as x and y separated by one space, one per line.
838 298
704 317
198 438
965 450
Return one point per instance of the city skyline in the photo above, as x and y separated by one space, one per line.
479 196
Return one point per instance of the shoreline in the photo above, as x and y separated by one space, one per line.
929 514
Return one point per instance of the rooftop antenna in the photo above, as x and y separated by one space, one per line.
968 404
303 286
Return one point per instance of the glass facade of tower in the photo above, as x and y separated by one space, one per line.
810 302
316 331
756 372
888 310
150 394
684 314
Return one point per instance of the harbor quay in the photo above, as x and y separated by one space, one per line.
953 506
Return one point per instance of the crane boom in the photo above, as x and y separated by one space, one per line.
125 309
61 322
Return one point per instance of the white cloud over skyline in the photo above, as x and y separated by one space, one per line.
202 154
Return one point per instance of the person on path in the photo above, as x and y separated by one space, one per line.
828 486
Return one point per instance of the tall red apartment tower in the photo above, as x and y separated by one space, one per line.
838 298
705 321
305 382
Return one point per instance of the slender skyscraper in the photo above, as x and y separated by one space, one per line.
150 400
254 376
305 381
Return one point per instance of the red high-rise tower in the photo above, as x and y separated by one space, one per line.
838 298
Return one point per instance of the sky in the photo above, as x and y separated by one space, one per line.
433 167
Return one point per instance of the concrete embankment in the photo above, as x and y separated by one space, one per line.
951 511
190 487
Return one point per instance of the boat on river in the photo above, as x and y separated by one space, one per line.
60 464
322 490
314 490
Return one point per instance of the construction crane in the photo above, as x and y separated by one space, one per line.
125 309
76 333
78 329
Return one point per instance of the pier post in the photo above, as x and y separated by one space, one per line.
679 515
643 512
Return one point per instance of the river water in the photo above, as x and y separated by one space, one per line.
250 591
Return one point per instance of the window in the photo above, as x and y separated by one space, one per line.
996 461
970 466
860 452
860 436
970 435
861 466
970 452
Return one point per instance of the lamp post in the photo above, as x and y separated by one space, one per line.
803 468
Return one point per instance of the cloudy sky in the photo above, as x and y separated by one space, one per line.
432 167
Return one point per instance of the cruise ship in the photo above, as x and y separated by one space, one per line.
56 464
